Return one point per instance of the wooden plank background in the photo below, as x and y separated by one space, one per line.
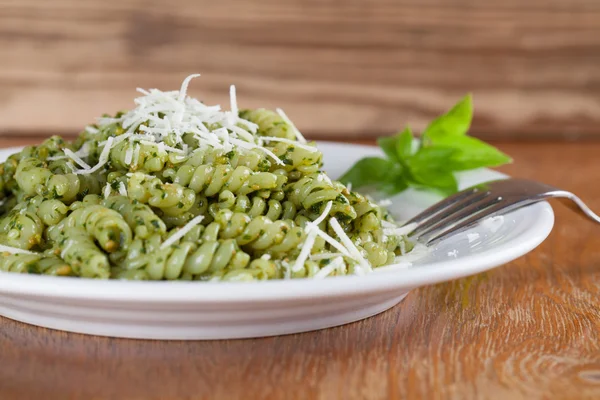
342 69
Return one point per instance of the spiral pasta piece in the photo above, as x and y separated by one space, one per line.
259 269
172 198
137 156
198 253
211 180
34 264
254 206
213 256
259 233
51 212
78 249
105 225
22 229
269 123
34 178
314 191
297 159
140 218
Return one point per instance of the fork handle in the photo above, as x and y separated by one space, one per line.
574 203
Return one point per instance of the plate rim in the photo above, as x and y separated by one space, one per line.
40 286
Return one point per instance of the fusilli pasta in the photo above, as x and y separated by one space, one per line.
177 190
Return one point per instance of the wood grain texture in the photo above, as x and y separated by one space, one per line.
339 68
527 330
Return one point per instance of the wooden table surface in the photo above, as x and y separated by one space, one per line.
529 329
374 65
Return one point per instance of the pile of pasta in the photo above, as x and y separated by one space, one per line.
177 190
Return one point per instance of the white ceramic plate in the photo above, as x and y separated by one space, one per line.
193 310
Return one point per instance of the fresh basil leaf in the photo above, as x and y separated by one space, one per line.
443 180
455 122
388 145
368 171
404 144
472 153
395 182
444 149
429 168
397 147
431 158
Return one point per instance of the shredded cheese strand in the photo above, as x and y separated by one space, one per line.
336 264
306 249
77 159
182 232
295 143
402 230
233 101
14 250
335 225
122 189
184 86
103 159
299 136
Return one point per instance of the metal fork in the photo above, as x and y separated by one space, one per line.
464 209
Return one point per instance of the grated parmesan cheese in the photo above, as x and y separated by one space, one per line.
136 154
299 136
312 228
128 155
249 146
287 273
122 189
184 86
304 253
14 250
284 140
471 237
402 230
323 215
70 244
107 191
334 243
84 151
315 225
385 203
77 159
54 158
402 247
103 159
233 100
335 264
325 256
335 225
161 114
182 232
493 223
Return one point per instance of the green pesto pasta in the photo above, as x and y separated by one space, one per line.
269 123
174 189
34 264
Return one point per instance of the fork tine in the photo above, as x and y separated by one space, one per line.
447 202
426 225
466 223
458 214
